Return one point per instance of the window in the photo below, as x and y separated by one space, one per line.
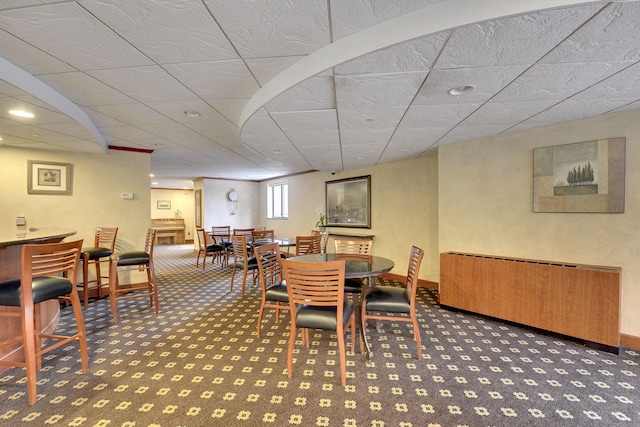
278 201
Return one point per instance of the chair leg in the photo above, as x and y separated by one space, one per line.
98 278
341 352
85 278
416 334
113 286
29 338
292 341
244 280
260 313
82 336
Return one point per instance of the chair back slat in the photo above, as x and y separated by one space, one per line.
41 261
352 246
315 283
306 245
106 237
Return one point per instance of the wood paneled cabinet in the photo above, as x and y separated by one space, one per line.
170 230
580 301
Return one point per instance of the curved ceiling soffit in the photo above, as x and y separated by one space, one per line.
429 20
23 80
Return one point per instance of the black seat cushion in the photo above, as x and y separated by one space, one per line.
215 248
322 317
133 258
388 298
353 286
97 252
277 293
44 288
252 264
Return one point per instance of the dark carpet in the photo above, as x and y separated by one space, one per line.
199 363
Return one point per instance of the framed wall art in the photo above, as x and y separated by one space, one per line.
49 177
163 204
348 202
580 177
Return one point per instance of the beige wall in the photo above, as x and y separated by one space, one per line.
404 209
98 182
486 191
181 200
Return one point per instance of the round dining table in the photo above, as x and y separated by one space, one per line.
356 266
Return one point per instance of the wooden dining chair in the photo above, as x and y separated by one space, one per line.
353 247
274 290
246 232
324 239
306 245
242 261
316 301
103 246
393 303
208 247
48 271
261 237
131 261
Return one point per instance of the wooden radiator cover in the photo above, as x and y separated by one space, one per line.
580 301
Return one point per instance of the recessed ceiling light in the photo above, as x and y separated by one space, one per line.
278 151
22 113
359 158
154 183
461 90
151 175
191 113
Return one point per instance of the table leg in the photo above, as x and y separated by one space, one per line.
363 322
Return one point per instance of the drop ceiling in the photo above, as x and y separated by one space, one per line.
255 89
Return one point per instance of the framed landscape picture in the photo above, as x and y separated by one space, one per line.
348 202
49 177
580 177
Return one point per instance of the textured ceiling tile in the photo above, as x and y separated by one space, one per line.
511 41
85 90
414 55
573 110
506 113
619 29
262 28
142 83
367 137
264 69
219 79
487 81
125 132
350 16
623 85
384 118
545 81
316 93
388 90
229 108
190 35
306 121
72 35
141 113
29 58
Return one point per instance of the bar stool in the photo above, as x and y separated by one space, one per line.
105 242
130 261
48 272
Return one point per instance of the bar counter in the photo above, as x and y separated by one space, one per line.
11 242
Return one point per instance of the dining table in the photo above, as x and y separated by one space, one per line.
356 266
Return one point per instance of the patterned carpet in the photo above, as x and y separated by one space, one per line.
200 363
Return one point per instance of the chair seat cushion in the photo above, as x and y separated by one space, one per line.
252 264
97 252
277 293
388 298
215 248
44 288
353 286
133 258
314 317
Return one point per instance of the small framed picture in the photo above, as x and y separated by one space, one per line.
49 177
164 204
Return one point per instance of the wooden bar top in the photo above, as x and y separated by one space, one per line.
34 235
